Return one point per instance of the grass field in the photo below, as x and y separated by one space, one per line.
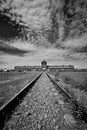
76 79
11 83
75 83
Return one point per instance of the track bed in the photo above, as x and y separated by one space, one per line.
44 108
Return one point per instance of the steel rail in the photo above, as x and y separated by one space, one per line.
59 87
7 109
76 105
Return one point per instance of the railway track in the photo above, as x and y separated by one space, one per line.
77 107
7 109
36 110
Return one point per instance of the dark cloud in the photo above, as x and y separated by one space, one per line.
75 56
76 45
27 12
8 29
81 50
1 62
11 50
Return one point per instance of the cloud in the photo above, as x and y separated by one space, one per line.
1 62
9 49
74 56
76 49
52 55
78 45
81 50
33 13
24 45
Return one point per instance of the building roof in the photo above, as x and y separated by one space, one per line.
62 67
26 67
44 61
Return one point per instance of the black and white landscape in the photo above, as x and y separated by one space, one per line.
43 64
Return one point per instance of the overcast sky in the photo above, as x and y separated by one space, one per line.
35 14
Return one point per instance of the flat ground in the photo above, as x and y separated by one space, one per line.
44 108
11 83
